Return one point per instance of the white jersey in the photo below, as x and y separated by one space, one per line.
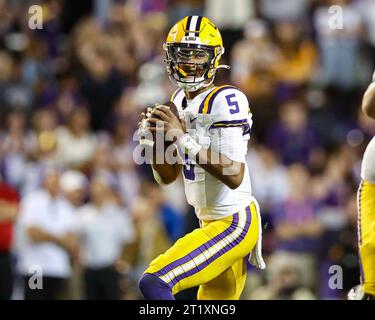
219 118
368 163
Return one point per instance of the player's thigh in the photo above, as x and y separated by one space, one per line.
220 255
205 253
185 247
228 285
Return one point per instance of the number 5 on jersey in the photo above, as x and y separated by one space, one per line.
232 103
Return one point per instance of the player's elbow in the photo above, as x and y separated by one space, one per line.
163 180
234 183
167 180
166 174
234 175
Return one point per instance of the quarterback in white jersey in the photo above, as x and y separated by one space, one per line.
225 127
211 136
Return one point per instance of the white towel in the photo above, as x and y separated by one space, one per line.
255 257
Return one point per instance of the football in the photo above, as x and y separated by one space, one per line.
171 106
147 113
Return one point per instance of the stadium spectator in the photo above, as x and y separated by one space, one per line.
152 238
75 143
339 46
297 228
101 84
122 161
241 12
168 215
252 72
44 124
298 56
105 230
269 177
74 188
48 226
367 10
17 145
284 10
292 137
9 206
285 282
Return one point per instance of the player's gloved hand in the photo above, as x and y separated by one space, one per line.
373 77
171 124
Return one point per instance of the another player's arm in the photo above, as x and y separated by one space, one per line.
368 102
223 168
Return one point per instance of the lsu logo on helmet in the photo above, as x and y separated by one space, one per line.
193 50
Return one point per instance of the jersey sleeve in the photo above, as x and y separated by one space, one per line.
230 123
229 142
230 109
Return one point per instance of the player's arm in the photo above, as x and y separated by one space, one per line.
165 171
226 170
220 166
368 102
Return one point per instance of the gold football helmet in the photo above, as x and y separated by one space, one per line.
193 50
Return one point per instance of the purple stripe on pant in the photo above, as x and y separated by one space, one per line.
196 252
222 251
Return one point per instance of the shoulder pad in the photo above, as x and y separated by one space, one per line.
207 103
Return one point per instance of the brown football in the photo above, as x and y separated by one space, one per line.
172 107
174 110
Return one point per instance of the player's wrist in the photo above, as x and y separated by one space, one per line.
188 145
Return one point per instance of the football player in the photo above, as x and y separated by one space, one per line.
211 138
366 210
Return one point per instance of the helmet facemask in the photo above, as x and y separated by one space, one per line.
191 66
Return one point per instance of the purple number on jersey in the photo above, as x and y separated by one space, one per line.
232 103
188 169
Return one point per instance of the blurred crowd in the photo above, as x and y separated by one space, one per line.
76 205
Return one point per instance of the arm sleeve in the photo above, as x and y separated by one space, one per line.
231 125
230 142
231 110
